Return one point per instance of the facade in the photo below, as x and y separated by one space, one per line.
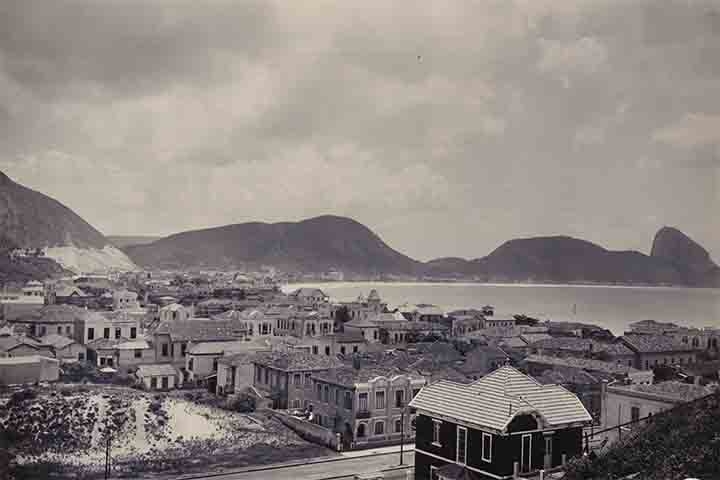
537 364
28 369
368 329
616 352
236 372
157 376
503 424
628 403
308 297
366 405
30 299
362 308
654 350
125 300
287 376
175 312
202 358
129 354
499 322
108 325
58 319
341 343
66 349
23 346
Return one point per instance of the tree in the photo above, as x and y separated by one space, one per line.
342 316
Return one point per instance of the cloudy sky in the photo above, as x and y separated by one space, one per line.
447 127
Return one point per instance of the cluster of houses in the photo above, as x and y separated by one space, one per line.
481 393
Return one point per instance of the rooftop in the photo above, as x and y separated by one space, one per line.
674 391
582 363
348 376
575 344
57 314
655 343
156 369
296 361
216 348
204 329
493 401
25 359
57 341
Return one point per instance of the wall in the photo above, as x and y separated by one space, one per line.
71 352
126 358
617 405
202 365
310 431
40 369
673 358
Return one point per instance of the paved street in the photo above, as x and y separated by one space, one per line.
343 467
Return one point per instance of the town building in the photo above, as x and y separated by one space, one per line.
28 370
616 352
202 360
65 349
131 353
482 360
30 299
125 300
23 346
653 350
626 404
366 406
59 319
362 308
235 372
157 376
90 326
286 376
333 344
172 340
175 312
310 297
501 425
422 312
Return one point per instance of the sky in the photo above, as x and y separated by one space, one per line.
446 127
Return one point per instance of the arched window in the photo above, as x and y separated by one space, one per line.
361 430
379 428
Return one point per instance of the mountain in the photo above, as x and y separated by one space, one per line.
686 255
122 241
314 245
675 260
30 219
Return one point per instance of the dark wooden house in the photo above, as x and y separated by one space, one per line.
502 425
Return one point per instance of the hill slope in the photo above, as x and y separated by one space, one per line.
312 245
686 255
122 241
32 219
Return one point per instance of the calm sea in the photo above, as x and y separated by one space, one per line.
613 307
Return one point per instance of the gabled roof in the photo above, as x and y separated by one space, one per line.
348 376
672 390
655 343
581 363
493 401
156 369
216 348
8 342
56 314
57 341
296 361
202 329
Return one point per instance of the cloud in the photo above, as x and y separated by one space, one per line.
586 55
692 130
155 117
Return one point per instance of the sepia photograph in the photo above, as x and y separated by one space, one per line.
360 240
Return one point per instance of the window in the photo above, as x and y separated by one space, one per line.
133 332
355 349
102 361
326 393
297 379
307 378
318 390
165 349
436 432
67 330
81 356
363 402
165 383
379 428
635 414
549 446
379 400
91 333
106 332
183 349
138 353
43 331
342 350
327 351
153 382
296 403
398 426
337 396
59 330
215 362
487 447
461 456
315 350
191 364
399 398
118 333
348 401
433 473
375 335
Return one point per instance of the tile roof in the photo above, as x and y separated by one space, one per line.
565 376
106 343
202 329
8 342
347 336
295 361
134 345
655 343
156 369
673 390
57 314
57 341
494 400
348 376
216 348
236 359
576 344
582 363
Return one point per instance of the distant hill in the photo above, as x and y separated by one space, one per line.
314 245
32 219
322 243
675 260
122 241
22 270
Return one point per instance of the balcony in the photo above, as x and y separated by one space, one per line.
362 414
